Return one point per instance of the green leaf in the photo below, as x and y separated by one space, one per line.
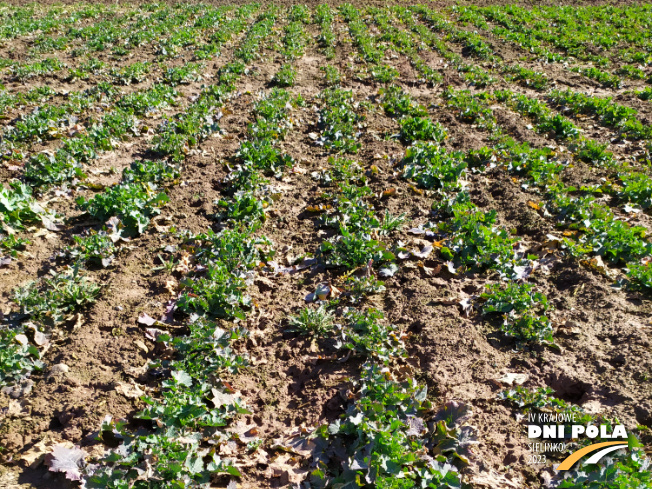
182 378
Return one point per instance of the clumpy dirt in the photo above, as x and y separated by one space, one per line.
298 383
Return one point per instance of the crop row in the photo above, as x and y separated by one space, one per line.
484 246
170 29
194 404
555 36
593 227
126 207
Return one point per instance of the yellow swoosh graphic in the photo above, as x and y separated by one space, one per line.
574 457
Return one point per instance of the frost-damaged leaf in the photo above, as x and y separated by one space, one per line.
424 253
296 443
245 432
287 469
304 264
454 413
403 255
154 333
467 305
35 455
182 377
171 285
66 460
416 426
21 339
168 317
146 319
596 264
325 290
389 270
40 339
114 228
130 391
222 398
523 272
322 292
51 224
513 378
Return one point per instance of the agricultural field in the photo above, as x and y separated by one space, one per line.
336 246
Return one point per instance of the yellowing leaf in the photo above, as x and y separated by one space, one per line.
534 205
171 286
390 192
416 190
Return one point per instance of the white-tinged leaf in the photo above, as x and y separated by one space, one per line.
389 270
182 378
66 460
146 319
424 253
357 419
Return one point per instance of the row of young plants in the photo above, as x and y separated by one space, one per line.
83 140
591 228
48 302
520 36
173 29
226 261
465 236
84 137
391 435
294 42
133 201
404 43
470 41
78 148
427 31
374 50
120 120
523 310
324 17
528 29
475 75
383 439
182 428
609 113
